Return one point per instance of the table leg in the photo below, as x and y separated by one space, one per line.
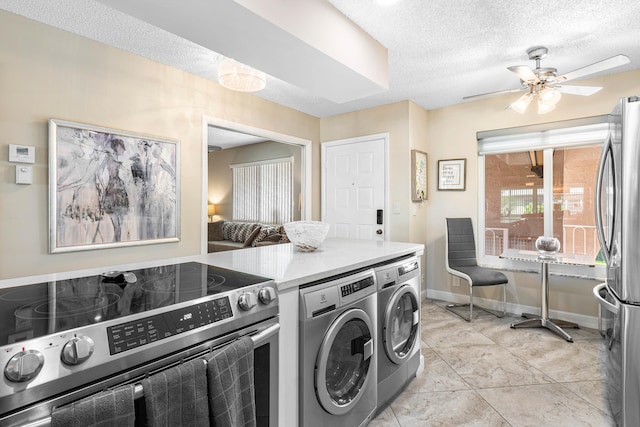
543 320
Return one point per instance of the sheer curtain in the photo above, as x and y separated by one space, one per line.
263 191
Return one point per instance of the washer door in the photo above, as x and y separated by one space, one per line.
344 361
400 327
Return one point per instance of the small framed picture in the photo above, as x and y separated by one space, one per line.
452 174
418 176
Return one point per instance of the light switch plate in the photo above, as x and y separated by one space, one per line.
22 153
24 174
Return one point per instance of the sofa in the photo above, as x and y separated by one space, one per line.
230 235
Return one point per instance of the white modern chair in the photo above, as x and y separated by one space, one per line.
460 254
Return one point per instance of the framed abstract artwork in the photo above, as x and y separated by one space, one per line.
111 188
418 176
452 174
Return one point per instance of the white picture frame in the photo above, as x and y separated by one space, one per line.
110 188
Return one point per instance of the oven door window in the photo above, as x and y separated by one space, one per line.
344 361
401 324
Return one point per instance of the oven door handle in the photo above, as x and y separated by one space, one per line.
262 336
258 339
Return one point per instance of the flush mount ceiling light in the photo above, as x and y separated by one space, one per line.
546 86
236 76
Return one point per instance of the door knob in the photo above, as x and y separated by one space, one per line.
378 231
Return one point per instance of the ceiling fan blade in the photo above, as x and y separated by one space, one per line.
490 94
578 90
596 67
524 72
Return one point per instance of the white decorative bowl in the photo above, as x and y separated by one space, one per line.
547 245
307 236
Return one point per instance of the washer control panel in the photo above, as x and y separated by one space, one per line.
323 298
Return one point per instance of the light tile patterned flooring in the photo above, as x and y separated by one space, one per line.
484 373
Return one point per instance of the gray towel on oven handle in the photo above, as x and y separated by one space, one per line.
110 408
231 385
177 396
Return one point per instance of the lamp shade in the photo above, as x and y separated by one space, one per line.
544 108
550 96
211 210
521 104
240 77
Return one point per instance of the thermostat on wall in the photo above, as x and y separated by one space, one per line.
22 154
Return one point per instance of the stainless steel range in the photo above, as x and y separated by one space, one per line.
65 340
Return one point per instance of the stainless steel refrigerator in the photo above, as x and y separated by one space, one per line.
618 223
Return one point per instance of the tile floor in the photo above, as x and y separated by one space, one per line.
486 374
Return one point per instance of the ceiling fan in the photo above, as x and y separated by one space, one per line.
546 86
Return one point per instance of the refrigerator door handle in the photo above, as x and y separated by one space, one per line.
614 308
606 152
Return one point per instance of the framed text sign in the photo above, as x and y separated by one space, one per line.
452 174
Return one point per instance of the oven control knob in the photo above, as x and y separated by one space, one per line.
266 295
247 301
24 365
77 350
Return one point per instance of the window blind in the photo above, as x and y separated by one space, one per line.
263 191
563 134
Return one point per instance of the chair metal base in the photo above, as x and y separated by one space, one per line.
452 307
554 325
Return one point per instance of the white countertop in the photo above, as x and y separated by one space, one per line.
290 267
285 264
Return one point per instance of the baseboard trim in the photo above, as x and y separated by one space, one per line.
581 319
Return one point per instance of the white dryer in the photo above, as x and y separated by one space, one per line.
398 326
338 356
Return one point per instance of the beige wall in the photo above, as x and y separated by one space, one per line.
452 134
406 124
48 73
221 176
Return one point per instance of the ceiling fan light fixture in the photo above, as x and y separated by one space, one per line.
550 96
537 79
520 105
240 77
544 108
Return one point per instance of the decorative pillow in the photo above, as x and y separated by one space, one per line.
283 235
273 238
252 236
242 231
228 228
266 230
214 230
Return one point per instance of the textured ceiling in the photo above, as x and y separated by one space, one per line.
439 51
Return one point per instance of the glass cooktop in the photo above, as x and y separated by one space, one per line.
32 311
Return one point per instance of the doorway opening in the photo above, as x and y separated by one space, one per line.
244 134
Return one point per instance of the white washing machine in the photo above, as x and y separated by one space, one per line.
338 356
398 327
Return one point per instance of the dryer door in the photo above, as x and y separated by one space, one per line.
344 361
401 322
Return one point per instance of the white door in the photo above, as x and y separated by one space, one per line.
353 187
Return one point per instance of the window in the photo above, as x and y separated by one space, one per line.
540 181
263 191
